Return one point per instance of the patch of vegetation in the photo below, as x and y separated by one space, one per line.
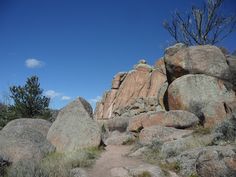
153 155
193 175
175 166
226 131
29 100
200 130
145 174
55 164
6 115
129 141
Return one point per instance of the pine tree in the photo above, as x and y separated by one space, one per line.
28 99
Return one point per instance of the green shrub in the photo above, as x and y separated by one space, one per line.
6 115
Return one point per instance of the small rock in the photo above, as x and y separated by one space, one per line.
119 172
154 171
117 138
78 172
139 152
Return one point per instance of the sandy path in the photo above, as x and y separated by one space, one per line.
113 156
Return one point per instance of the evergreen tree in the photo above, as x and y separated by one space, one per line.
29 100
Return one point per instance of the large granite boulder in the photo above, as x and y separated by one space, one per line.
204 59
23 139
174 118
142 82
75 128
202 95
161 134
231 60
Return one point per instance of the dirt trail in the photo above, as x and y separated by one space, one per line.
113 156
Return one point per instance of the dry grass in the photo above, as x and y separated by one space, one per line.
175 166
54 165
201 131
145 174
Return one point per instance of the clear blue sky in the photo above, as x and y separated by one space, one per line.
77 46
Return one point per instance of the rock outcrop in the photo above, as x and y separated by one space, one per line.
182 111
202 95
142 82
75 128
205 59
23 139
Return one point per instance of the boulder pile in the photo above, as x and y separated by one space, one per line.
183 109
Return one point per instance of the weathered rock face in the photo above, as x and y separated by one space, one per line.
139 106
25 139
142 82
161 134
214 161
160 65
231 60
202 95
15 127
173 148
75 128
206 59
175 118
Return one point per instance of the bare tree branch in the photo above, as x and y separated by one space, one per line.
202 25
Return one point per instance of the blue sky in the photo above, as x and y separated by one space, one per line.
77 46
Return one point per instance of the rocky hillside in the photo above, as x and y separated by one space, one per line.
198 79
181 113
174 119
